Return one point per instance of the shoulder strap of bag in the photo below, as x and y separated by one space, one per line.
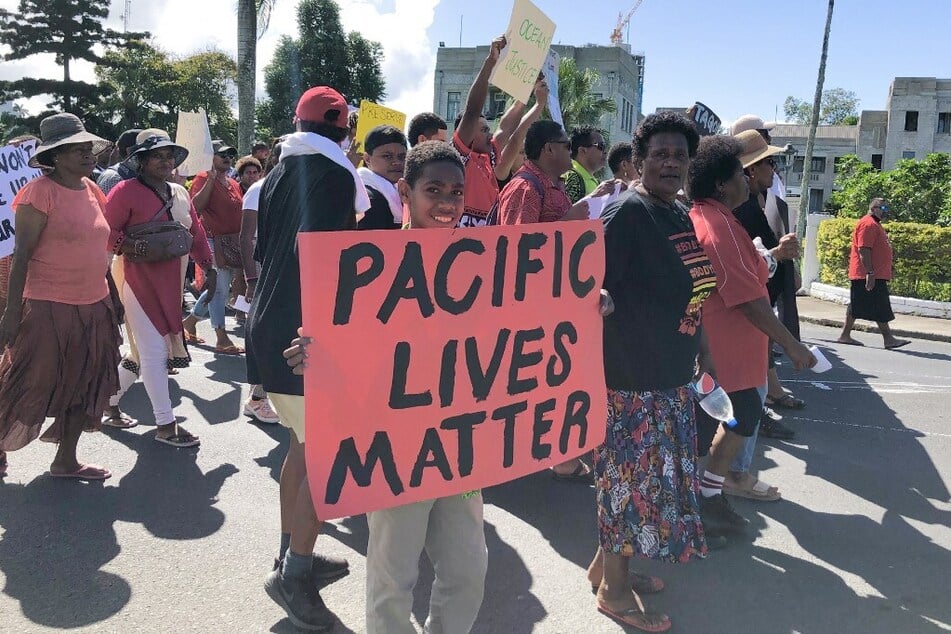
493 218
167 207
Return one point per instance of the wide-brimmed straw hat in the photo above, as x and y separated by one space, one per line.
64 129
755 147
154 139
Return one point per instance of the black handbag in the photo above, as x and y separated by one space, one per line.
159 240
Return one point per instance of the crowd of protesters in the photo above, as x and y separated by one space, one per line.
698 255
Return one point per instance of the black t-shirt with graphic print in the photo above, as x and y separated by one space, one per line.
658 276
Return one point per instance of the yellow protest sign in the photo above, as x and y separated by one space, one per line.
372 115
528 40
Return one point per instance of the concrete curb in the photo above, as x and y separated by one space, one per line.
863 327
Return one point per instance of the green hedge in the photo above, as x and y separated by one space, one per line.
922 267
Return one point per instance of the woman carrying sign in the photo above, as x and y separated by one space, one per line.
646 478
151 287
61 324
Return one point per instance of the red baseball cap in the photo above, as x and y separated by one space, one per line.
314 104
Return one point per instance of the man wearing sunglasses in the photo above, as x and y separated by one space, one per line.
588 155
870 269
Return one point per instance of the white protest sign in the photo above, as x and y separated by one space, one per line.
14 174
597 204
550 69
528 40
193 134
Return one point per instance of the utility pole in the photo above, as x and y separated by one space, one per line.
811 141
126 15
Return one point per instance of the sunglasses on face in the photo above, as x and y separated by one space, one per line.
227 157
564 142
600 146
882 207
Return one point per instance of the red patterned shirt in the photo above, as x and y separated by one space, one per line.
520 202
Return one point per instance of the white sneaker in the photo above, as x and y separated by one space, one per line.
261 411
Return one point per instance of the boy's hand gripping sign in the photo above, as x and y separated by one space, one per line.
447 361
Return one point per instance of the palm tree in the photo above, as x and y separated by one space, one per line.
579 106
810 142
253 19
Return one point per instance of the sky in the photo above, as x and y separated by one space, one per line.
736 56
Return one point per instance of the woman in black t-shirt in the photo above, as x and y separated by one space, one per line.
658 275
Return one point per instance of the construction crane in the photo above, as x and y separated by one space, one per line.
617 37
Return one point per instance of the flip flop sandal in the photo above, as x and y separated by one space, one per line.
232 350
641 584
851 343
195 339
759 491
180 440
897 345
632 617
581 474
85 472
786 401
122 421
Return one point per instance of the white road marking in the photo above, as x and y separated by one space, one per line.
875 427
821 386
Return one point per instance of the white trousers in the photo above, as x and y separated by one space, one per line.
452 532
153 360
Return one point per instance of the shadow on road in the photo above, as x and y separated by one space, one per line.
58 535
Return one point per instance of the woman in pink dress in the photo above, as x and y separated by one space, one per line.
152 291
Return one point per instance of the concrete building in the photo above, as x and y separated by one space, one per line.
621 80
917 122
832 142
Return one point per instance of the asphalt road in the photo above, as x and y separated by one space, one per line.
181 540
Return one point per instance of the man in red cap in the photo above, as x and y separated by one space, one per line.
314 187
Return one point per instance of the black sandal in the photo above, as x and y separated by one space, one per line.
581 474
786 401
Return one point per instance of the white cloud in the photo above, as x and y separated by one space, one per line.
183 27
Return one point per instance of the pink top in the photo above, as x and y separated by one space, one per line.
156 285
71 257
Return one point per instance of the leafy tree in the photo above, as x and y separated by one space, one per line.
70 30
917 191
253 19
839 107
12 123
139 88
579 106
322 55
147 88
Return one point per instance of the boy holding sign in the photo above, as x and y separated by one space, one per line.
450 529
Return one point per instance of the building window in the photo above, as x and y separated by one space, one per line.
815 201
835 164
877 161
911 121
798 164
452 106
818 164
497 106
944 123
908 154
627 115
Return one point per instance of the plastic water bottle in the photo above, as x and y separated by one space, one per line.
714 400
